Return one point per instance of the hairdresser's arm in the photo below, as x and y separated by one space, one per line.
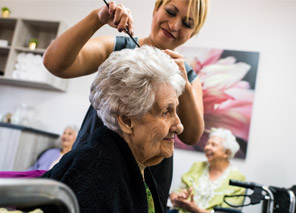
190 111
190 108
74 54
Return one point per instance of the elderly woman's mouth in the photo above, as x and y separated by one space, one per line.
170 138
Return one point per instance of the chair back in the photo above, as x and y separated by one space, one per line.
30 194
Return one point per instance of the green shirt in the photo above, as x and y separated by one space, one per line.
208 193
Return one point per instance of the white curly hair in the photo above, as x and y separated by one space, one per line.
229 140
73 127
127 80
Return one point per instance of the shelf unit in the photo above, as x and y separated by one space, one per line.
17 32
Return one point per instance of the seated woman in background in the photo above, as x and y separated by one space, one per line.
52 156
205 184
135 93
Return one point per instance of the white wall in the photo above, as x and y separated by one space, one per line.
266 26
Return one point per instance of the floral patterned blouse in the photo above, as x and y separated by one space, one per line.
208 193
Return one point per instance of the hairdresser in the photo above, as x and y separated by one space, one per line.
75 53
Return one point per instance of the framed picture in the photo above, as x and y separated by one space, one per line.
228 81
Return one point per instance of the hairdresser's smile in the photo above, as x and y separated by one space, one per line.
167 33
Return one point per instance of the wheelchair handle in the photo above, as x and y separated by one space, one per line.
249 185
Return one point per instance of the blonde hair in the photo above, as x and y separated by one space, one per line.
198 7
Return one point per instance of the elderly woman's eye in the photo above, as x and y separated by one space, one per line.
166 113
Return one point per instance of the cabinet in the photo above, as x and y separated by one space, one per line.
22 66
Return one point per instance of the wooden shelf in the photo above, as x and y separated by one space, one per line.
31 84
28 50
18 32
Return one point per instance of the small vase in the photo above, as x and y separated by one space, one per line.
32 45
5 13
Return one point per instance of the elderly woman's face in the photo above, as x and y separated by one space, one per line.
68 138
154 135
214 149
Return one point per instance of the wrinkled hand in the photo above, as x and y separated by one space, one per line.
179 60
184 200
117 16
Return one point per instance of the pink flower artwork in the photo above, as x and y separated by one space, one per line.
228 82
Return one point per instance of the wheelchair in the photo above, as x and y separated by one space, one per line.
273 199
37 195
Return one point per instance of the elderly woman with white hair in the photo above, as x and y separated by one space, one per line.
205 184
49 157
136 95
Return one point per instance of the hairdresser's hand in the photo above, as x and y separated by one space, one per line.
179 60
117 16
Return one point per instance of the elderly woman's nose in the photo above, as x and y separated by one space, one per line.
177 127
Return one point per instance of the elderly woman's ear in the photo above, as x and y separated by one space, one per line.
228 153
125 124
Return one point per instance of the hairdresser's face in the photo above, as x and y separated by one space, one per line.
68 138
170 27
154 135
214 149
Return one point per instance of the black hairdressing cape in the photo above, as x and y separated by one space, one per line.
105 176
